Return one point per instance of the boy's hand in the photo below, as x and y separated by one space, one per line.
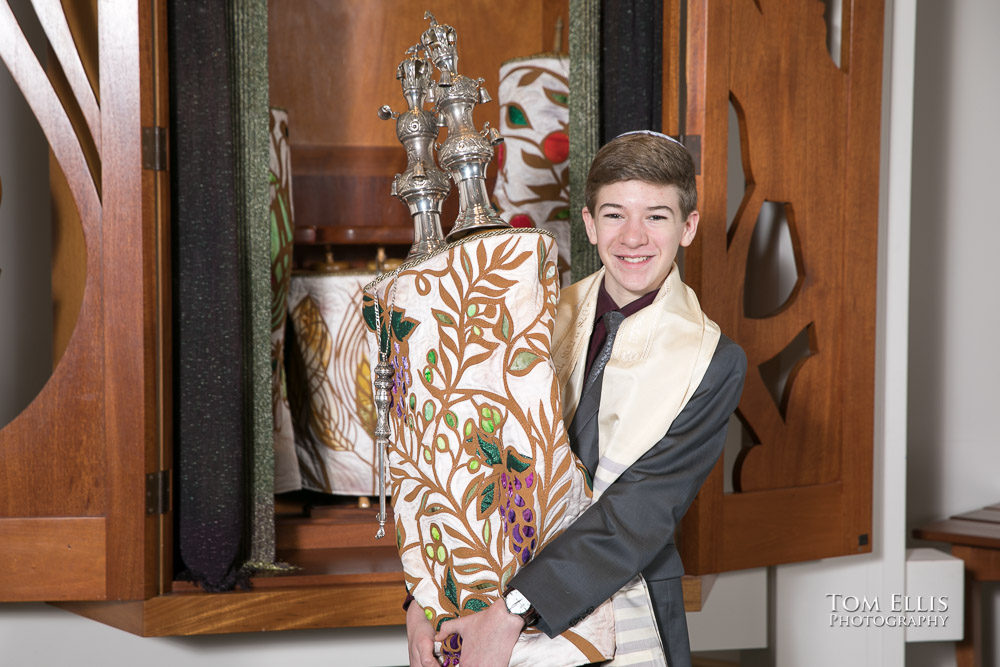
488 637
420 638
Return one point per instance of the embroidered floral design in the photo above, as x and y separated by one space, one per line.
482 475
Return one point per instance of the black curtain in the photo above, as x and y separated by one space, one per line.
631 66
209 368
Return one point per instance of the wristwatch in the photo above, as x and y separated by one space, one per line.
518 605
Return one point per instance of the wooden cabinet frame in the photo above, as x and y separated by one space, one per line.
74 523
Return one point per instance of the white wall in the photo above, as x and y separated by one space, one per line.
36 635
954 458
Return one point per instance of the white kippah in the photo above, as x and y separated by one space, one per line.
652 134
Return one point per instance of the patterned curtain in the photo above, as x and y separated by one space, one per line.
532 188
282 214
330 386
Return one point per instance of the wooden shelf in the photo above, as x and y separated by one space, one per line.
311 606
344 578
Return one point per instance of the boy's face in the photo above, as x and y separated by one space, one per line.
637 229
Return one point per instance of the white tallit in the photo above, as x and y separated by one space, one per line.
668 345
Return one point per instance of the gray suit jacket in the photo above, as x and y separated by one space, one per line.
630 529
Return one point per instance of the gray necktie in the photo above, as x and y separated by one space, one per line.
612 320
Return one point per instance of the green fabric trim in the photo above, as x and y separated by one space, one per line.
247 21
584 123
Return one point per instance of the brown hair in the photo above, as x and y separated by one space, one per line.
647 158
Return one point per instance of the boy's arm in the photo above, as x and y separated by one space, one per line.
634 520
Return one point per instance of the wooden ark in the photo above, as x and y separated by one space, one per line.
82 468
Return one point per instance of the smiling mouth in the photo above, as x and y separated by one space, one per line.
634 260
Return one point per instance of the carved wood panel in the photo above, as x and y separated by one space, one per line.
808 139
81 449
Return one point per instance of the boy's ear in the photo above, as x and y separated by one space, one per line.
690 229
588 224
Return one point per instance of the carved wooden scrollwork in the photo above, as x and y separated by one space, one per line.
81 449
808 143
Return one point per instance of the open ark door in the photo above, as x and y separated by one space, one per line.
785 262
77 464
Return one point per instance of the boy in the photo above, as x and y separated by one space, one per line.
649 385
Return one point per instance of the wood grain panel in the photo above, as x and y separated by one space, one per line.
155 112
330 528
129 257
81 449
343 191
809 137
56 443
696 590
333 63
52 559
301 604
961 531
56 26
69 257
350 605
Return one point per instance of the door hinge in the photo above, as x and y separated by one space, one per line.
692 142
158 492
154 148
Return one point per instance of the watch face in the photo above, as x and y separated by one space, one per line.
516 603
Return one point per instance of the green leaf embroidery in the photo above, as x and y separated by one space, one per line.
401 328
505 327
516 116
484 586
490 451
368 311
523 360
487 498
471 492
466 264
514 463
586 476
558 97
506 575
450 589
475 604
444 318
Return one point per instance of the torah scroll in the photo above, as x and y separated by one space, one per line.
482 475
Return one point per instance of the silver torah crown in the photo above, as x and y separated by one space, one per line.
423 187
465 152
